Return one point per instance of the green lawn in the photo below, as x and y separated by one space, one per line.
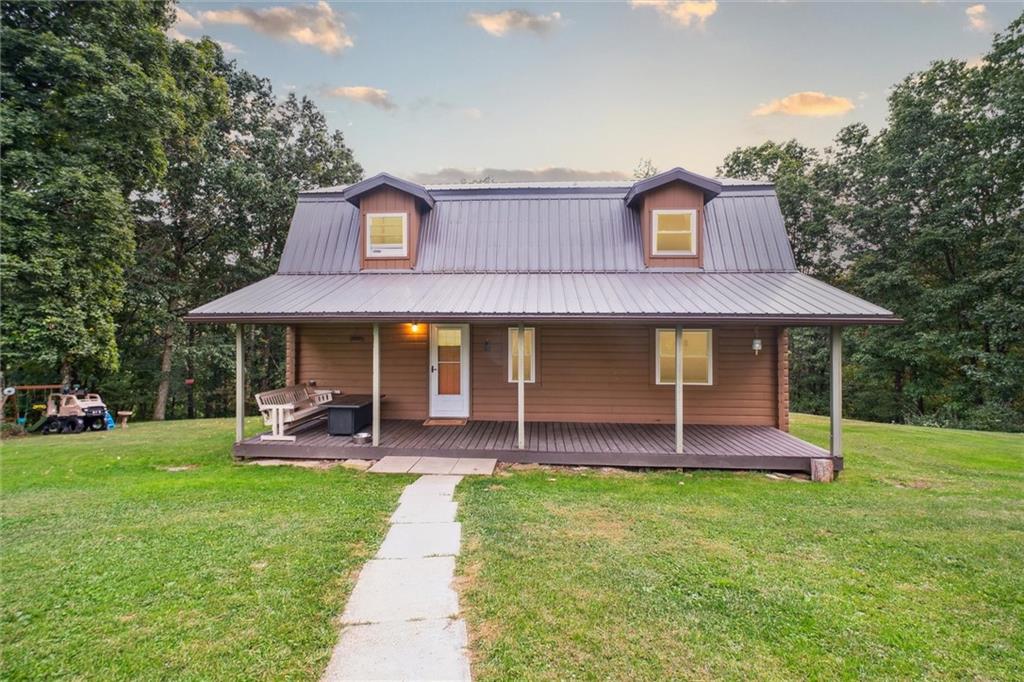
911 565
115 568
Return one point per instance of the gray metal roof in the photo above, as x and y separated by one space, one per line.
680 297
709 186
353 193
575 227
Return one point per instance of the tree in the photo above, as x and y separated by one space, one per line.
88 102
218 222
644 169
924 218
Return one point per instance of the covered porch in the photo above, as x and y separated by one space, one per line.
562 443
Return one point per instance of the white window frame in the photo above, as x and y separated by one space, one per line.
654 230
388 251
711 357
531 371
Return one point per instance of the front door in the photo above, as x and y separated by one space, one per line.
449 370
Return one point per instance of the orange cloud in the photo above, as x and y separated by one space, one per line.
977 18
500 23
376 97
816 104
682 12
314 25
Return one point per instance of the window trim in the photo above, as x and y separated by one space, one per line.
389 251
655 213
711 357
532 373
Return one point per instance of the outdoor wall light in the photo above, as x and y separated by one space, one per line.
415 327
756 345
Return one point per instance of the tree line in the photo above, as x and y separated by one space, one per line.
143 176
925 218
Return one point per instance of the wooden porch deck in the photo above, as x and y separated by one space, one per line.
564 443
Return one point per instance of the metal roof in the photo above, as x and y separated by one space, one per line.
555 228
353 193
709 186
484 187
678 297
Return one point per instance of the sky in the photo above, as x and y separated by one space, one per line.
440 92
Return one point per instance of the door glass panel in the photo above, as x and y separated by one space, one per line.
449 361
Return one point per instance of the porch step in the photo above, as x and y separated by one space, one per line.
458 466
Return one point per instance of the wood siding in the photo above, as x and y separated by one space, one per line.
389 200
606 373
585 373
782 364
340 356
677 195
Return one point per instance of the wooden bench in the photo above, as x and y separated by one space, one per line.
285 408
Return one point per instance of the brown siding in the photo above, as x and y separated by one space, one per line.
340 356
587 373
389 200
606 373
675 195
782 363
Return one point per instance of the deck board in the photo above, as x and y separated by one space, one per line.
646 445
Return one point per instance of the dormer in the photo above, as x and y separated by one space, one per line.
671 206
390 213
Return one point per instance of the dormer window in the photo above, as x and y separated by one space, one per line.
387 235
673 232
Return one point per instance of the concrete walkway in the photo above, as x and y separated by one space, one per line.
402 620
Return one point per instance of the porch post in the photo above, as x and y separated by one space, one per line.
836 399
376 384
239 385
679 390
521 387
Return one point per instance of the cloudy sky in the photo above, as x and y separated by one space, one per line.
440 92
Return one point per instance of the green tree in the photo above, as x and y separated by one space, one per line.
88 100
216 223
924 218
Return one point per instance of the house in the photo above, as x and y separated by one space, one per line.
598 323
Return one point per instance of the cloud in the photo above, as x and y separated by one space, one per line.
814 104
500 23
376 97
682 12
472 113
314 25
977 18
556 174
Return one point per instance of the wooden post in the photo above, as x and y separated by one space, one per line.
521 387
376 384
239 385
679 390
836 399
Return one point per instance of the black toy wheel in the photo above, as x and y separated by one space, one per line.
50 427
96 424
73 425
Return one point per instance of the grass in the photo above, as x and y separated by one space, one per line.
114 567
911 565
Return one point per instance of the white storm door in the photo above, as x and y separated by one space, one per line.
449 370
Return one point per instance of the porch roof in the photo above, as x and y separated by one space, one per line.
779 298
